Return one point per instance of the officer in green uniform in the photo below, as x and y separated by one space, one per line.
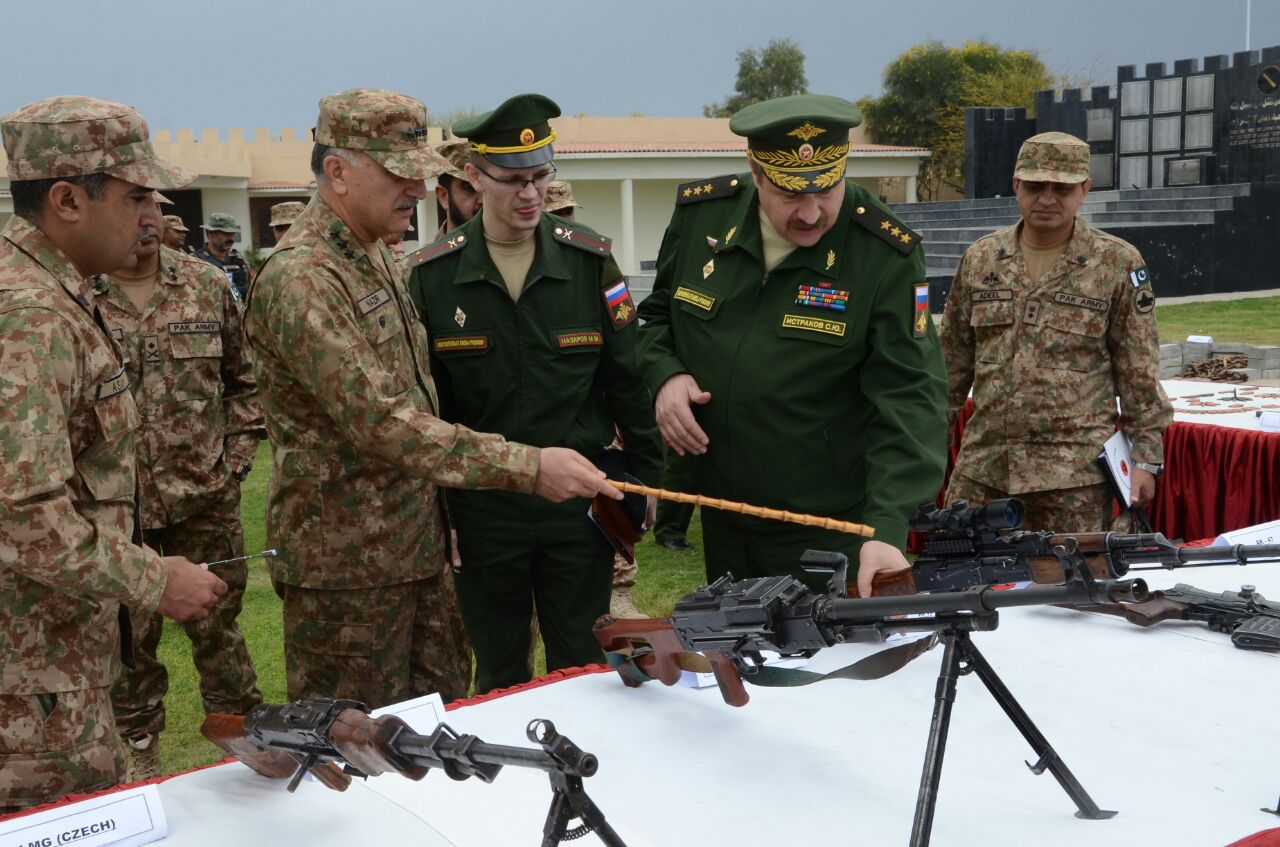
790 351
534 336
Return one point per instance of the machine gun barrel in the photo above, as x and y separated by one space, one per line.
981 600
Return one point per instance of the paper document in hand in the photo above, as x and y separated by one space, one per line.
1116 462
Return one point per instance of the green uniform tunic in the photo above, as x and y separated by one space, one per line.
557 368
828 393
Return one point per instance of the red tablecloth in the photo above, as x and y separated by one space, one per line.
1216 479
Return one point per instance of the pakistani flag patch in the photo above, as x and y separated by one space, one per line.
1140 277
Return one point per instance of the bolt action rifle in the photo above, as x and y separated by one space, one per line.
337 739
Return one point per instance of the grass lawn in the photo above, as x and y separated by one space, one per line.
1252 321
665 575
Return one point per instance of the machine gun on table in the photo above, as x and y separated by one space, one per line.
337 739
1252 621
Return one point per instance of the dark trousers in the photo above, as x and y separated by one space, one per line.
673 518
531 555
751 547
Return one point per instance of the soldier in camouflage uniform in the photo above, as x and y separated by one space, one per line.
351 409
1050 320
559 200
220 233
189 370
454 192
282 217
533 336
82 173
175 234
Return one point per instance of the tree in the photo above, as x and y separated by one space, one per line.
927 89
776 70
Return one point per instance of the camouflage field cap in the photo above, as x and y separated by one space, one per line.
455 152
801 143
175 223
390 127
283 214
1053 157
222 222
77 136
559 196
517 134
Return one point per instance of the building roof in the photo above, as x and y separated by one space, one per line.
279 185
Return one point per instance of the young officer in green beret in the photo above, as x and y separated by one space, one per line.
533 335
790 350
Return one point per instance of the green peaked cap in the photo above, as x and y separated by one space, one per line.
801 143
517 134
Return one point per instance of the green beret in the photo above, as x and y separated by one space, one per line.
517 134
801 143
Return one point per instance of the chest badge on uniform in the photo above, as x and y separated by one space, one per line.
921 326
617 299
708 268
831 258
822 296
460 317
729 237
151 349
712 242
991 278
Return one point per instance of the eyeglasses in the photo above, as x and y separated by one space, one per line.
516 184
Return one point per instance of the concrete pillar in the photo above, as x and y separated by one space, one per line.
427 223
911 189
627 257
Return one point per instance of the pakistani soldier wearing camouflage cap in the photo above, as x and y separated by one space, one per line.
533 336
174 235
789 346
454 192
559 200
189 370
1049 321
352 414
282 217
220 233
82 174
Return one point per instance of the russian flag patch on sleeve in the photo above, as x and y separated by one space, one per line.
617 299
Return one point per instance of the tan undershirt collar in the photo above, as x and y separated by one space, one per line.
513 260
776 247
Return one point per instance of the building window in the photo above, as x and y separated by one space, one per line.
1166 134
1101 170
1134 172
1168 95
1135 98
1101 125
1199 131
1133 136
1199 92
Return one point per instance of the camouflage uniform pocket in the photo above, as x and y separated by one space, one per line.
330 638
992 322
1072 339
102 467
52 744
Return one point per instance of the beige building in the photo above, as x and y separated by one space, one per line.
624 173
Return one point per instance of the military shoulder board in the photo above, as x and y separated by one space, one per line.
708 189
885 225
443 247
582 238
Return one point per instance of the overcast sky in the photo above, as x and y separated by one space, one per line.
247 63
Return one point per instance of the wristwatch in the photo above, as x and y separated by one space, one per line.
1154 470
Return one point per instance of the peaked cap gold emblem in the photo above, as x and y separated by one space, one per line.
806 131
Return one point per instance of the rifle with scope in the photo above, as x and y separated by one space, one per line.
970 546
335 740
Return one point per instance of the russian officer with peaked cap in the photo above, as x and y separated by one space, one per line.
533 335
790 351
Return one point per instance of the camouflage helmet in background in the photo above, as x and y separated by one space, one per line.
175 223
390 127
222 222
1053 157
455 151
284 214
559 195
77 136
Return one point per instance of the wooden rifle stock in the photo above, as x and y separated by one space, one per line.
1042 570
666 655
227 733
1147 613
